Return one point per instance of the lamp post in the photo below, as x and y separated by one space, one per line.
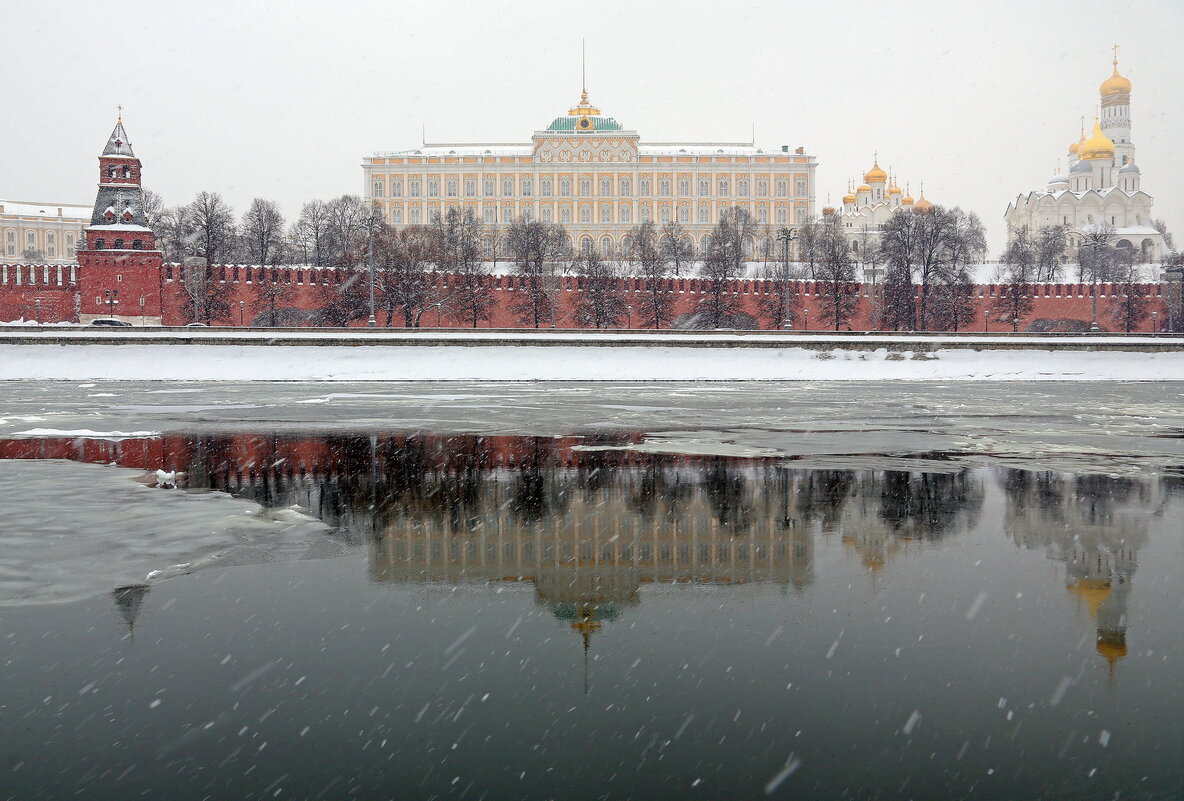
986 317
371 322
111 294
806 312
37 310
241 305
786 236
1155 322
1015 325
629 316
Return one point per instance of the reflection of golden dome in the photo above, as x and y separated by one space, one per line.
1098 146
1092 591
864 188
1111 647
875 175
1115 84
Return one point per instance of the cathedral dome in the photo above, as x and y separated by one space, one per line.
848 198
1098 146
907 200
1129 169
1073 148
864 188
922 206
1115 84
875 175
895 191
1080 166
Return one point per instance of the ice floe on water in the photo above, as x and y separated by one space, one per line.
116 532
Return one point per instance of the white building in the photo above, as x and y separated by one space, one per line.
1103 185
868 207
52 229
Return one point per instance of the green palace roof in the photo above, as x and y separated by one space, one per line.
569 124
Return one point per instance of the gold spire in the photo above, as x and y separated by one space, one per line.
1115 84
584 109
119 115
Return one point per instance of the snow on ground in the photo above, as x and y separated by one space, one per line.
559 362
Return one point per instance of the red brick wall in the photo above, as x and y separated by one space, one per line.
38 282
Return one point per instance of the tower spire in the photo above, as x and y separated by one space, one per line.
583 70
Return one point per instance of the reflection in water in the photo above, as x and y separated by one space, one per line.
587 523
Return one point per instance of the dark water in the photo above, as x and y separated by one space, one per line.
572 618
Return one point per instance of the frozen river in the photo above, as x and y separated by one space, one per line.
713 591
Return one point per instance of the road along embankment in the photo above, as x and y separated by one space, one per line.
209 354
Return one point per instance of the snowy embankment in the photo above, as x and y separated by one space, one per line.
148 356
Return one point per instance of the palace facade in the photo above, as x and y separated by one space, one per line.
589 173
51 232
1103 184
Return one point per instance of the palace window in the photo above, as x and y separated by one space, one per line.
396 216
527 187
742 187
782 216
782 187
606 213
565 215
704 187
762 188
546 187
684 186
69 244
645 187
415 216
527 215
585 187
723 187
490 216
762 215
606 247
31 240
507 214
565 187
704 215
626 214
508 187
415 189
585 245
487 187
606 187
664 213
664 187
396 189
801 187
546 214
585 214
433 188
684 214
646 214
470 187
626 187
451 187
378 189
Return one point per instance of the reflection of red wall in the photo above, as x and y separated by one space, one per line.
307 288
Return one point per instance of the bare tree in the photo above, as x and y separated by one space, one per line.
601 302
838 295
348 223
174 233
808 246
1097 260
341 303
1017 272
1162 227
1130 307
262 233
310 234
1049 245
917 247
208 294
535 247
724 263
676 247
403 259
212 222
456 244
656 305
271 295
1173 299
153 208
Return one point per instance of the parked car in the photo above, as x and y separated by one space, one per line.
110 322
196 325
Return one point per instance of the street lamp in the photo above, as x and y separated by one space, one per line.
1155 322
986 317
242 304
786 236
37 310
371 322
111 295
629 316
806 312
1015 325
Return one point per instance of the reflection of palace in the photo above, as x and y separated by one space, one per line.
1095 525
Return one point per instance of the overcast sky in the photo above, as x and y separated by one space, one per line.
282 100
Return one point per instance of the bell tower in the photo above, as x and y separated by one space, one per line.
119 267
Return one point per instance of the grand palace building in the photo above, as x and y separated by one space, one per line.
593 176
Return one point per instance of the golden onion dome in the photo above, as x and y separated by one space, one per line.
1113 648
923 205
864 188
1073 147
895 191
907 200
1098 146
1115 84
848 198
875 175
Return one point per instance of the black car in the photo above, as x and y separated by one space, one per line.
109 321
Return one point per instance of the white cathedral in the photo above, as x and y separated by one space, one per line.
1102 185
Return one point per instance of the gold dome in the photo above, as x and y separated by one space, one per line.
1074 147
864 188
1111 647
1115 84
848 198
907 200
1098 146
895 191
922 204
875 175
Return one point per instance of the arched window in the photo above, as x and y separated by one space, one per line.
415 217
100 244
801 187
451 187
111 172
626 244
396 189
527 187
664 187
704 215
606 213
645 186
69 244
397 216
782 216
507 214
762 188
626 187
565 215
684 186
137 244
546 214
487 187
606 247
490 216
646 214
118 245
470 187
704 187
723 187
433 188
742 187
626 214
527 214
762 215
585 186
565 187
415 189
664 213
782 187
378 189
585 245
546 187
585 214
507 187
487 247
606 186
